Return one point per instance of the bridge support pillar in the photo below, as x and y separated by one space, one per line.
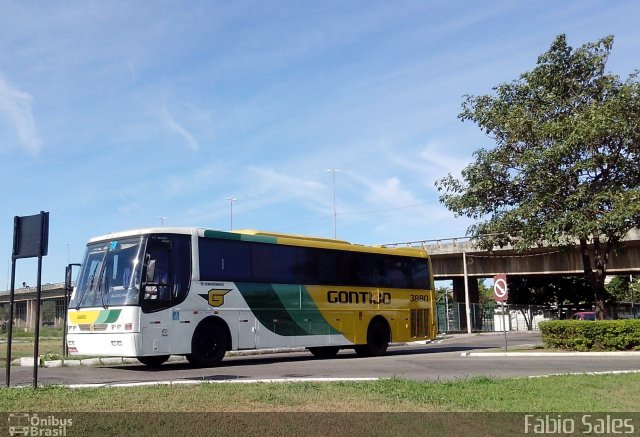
30 316
460 307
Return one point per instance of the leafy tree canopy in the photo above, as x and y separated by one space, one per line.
623 289
565 165
566 161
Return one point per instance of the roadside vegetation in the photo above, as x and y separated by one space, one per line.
50 345
603 335
482 394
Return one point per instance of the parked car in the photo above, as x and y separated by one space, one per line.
584 315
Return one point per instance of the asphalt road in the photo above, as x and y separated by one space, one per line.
440 360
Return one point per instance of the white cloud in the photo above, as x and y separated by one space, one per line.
193 181
281 187
172 125
389 192
441 161
15 106
130 208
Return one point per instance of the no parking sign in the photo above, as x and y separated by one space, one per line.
500 288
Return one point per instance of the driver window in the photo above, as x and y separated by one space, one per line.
159 286
167 271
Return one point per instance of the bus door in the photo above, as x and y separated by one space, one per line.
247 329
155 335
166 274
156 293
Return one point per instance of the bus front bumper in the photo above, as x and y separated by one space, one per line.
104 345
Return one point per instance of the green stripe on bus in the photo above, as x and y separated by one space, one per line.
259 239
285 309
240 237
108 316
308 316
221 235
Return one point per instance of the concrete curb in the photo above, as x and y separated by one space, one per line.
221 381
28 362
551 354
115 361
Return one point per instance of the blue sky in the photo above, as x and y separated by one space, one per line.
113 114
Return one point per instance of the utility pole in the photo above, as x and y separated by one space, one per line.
335 215
231 200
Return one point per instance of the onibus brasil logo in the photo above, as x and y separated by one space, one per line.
26 424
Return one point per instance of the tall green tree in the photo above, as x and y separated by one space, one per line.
564 169
48 310
623 288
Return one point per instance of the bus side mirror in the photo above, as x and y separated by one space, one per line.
151 270
67 279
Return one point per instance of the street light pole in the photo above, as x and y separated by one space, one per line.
162 219
231 200
335 218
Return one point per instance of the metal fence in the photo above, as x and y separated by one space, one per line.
490 316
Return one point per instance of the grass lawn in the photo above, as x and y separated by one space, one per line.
475 406
478 406
23 347
557 393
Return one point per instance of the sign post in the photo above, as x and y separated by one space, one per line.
30 240
501 295
68 288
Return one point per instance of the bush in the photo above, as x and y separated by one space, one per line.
582 335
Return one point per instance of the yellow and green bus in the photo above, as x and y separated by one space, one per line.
156 292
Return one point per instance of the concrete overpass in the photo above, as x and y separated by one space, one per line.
25 305
447 259
459 260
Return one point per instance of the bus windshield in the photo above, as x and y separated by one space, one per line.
110 274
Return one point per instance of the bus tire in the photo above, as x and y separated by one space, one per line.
208 345
153 360
324 351
378 338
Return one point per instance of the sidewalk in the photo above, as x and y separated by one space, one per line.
552 354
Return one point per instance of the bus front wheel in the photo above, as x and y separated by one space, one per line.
208 346
378 338
154 360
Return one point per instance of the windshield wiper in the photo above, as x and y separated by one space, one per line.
103 281
85 293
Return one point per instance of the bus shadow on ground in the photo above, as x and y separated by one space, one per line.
292 357
436 350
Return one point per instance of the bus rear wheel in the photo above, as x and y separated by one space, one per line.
208 346
324 351
154 360
378 338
